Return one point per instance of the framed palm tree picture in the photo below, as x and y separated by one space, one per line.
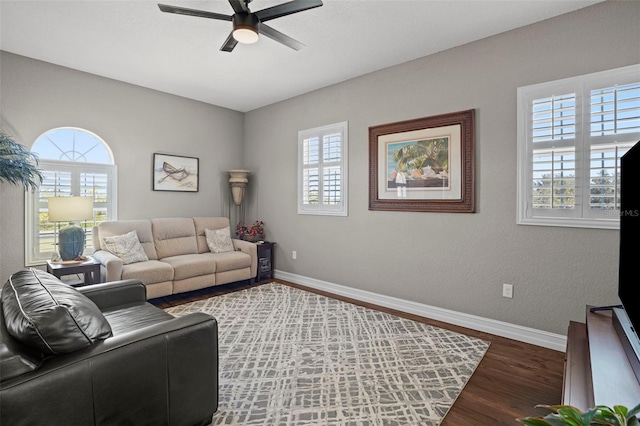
423 165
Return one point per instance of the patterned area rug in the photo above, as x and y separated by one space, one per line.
291 357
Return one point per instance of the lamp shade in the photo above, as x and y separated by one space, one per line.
68 209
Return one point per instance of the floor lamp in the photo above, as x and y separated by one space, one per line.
71 239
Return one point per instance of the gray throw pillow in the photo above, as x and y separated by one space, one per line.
127 247
219 240
42 312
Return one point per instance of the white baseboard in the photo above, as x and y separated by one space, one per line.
499 328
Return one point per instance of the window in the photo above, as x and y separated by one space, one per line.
73 162
322 170
571 135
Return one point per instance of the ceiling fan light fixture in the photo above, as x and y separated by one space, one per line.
245 35
245 28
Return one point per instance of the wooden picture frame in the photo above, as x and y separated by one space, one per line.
175 173
423 165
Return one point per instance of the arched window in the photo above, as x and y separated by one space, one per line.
73 162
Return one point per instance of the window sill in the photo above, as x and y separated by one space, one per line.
571 223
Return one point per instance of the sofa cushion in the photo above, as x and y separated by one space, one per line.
203 223
174 236
190 265
219 240
150 272
42 312
229 261
127 247
119 227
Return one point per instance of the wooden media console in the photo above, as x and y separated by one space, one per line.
597 370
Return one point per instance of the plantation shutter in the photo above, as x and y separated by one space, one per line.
311 167
332 152
615 110
553 132
96 185
614 127
322 166
66 179
571 135
56 182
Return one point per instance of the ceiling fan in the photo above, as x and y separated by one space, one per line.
248 25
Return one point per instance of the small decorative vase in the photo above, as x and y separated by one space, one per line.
238 181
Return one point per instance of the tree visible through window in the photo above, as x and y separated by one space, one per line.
73 162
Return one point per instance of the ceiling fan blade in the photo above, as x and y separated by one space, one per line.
286 9
276 35
193 12
239 6
229 43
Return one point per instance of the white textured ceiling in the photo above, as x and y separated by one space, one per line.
132 41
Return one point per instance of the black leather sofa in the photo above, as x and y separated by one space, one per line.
61 363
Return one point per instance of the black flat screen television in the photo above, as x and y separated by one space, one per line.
626 320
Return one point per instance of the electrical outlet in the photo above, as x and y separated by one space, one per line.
294 255
507 290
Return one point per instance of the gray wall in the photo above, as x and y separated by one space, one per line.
453 261
135 122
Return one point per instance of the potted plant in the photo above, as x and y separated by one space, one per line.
600 415
17 165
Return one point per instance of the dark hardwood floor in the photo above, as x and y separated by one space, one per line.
511 379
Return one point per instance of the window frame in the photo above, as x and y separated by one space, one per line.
582 215
340 209
33 205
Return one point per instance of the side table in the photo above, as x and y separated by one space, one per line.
265 260
90 268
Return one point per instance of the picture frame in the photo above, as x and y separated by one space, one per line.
423 165
175 173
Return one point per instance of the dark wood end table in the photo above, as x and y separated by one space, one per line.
265 260
90 268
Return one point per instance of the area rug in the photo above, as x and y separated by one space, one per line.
291 357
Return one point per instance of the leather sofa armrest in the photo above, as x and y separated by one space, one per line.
174 325
115 293
251 249
111 269
186 346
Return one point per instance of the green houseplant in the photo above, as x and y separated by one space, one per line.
598 416
17 165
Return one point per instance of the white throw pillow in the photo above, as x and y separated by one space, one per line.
127 247
219 240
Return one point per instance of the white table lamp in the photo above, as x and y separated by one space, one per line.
70 209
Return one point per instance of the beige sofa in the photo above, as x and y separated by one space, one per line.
179 257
